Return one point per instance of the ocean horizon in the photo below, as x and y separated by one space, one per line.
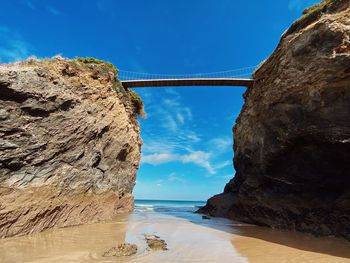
167 200
141 205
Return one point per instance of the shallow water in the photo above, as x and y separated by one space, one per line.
189 237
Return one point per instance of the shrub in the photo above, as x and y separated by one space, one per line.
316 8
93 61
135 99
137 103
313 13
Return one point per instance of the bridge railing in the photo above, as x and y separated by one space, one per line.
241 73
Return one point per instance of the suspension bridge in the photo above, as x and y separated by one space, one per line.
236 77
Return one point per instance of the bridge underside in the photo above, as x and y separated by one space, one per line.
188 82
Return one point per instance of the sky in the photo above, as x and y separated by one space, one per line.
187 135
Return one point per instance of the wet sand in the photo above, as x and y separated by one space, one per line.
189 237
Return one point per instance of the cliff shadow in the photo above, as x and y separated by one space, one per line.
268 238
249 240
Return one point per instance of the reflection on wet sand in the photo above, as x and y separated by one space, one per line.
74 244
260 245
189 239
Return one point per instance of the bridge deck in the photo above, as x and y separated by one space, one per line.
187 82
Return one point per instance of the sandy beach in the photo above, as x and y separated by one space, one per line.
189 238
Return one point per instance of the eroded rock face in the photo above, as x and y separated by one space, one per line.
70 146
292 138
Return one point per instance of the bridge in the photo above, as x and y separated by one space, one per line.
237 77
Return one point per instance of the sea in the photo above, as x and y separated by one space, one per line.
167 206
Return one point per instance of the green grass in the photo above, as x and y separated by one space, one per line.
93 61
137 103
317 7
313 13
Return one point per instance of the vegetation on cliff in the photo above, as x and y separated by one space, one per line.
314 12
94 61
291 146
70 145
136 101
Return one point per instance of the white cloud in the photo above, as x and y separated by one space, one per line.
174 115
12 46
198 158
169 124
170 111
170 136
159 158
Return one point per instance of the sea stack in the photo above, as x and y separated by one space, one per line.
70 144
292 137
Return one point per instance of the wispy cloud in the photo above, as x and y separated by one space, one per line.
198 158
222 165
29 4
159 183
54 10
173 177
226 176
170 135
221 144
168 124
160 158
12 45
158 145
175 114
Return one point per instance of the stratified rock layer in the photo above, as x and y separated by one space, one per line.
70 145
292 138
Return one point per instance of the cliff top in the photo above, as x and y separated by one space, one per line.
85 68
315 12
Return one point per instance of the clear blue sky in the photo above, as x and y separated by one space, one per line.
187 152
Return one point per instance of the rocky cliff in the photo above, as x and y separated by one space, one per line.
70 145
292 138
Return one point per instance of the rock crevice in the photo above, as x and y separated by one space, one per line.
292 137
70 145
